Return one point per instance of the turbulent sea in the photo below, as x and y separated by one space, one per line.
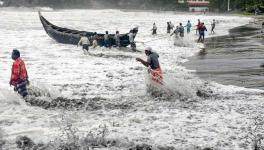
107 89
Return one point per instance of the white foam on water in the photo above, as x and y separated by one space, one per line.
43 90
219 121
10 97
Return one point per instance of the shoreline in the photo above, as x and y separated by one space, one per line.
221 50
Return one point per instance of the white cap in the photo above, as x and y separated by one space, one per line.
149 49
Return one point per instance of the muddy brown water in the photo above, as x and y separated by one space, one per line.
234 59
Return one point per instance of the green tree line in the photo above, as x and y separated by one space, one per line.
244 5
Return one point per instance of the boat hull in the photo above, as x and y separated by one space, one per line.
69 36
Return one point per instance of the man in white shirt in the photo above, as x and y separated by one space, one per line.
131 36
84 41
117 39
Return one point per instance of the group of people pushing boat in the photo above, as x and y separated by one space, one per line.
108 40
19 75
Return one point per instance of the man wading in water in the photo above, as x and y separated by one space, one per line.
107 41
181 30
131 37
19 76
198 26
188 25
84 41
154 29
168 27
153 64
201 33
117 39
213 27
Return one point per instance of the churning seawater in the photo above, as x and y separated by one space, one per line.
111 86
234 59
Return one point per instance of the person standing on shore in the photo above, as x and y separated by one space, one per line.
154 29
213 27
19 76
188 26
202 33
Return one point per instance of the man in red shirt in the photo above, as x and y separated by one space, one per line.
202 33
19 76
198 26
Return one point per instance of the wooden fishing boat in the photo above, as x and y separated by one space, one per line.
69 36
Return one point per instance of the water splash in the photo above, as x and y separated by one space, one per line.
172 88
10 97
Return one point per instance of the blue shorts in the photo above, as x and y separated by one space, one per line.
21 88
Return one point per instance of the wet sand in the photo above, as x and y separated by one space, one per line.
235 59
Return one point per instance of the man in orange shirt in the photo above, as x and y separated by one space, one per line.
19 76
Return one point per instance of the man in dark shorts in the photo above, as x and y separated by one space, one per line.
168 27
202 33
84 41
154 29
19 76
198 26
181 30
107 40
